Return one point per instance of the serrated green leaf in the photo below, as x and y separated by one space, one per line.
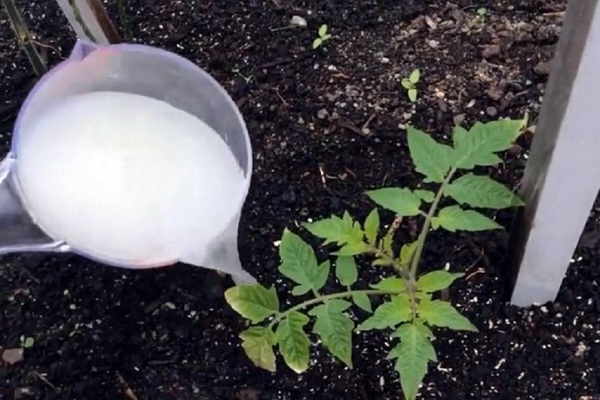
254 302
362 301
335 328
454 218
479 145
371 226
386 244
293 342
413 354
431 158
412 95
322 30
425 195
482 191
437 280
402 201
390 284
389 314
420 325
443 314
352 249
346 270
300 290
336 230
299 262
415 75
406 253
257 342
406 84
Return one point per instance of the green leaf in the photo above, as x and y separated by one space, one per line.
437 280
407 84
257 342
425 195
406 253
431 158
402 201
299 262
454 218
254 302
390 284
323 30
371 226
352 249
363 301
336 230
415 75
413 354
346 270
300 290
335 328
317 43
412 95
479 145
386 244
293 342
326 37
443 314
389 314
482 191
420 325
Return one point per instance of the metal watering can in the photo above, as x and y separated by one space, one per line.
141 70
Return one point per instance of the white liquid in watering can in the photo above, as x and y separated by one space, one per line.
128 178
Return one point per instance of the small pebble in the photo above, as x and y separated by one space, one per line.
298 21
433 43
322 113
491 51
491 111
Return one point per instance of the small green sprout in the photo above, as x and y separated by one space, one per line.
27 342
410 84
481 13
324 36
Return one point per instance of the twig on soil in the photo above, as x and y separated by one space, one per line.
128 392
369 120
46 381
322 173
557 14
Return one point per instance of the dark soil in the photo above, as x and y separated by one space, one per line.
326 125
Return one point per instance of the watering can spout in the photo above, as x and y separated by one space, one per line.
82 49
18 232
222 255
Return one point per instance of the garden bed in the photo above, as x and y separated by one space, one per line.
326 125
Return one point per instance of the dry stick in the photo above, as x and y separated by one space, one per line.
24 37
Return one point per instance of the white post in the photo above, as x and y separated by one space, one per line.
562 177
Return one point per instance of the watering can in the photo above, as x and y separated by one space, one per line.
138 70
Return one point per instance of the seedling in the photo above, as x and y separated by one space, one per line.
412 308
481 13
246 78
324 36
27 342
410 84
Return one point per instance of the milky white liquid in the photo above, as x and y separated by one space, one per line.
127 179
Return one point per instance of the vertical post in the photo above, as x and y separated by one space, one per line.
562 177
90 21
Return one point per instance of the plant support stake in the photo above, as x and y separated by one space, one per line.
90 21
24 37
562 176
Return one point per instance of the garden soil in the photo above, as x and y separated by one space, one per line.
325 125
